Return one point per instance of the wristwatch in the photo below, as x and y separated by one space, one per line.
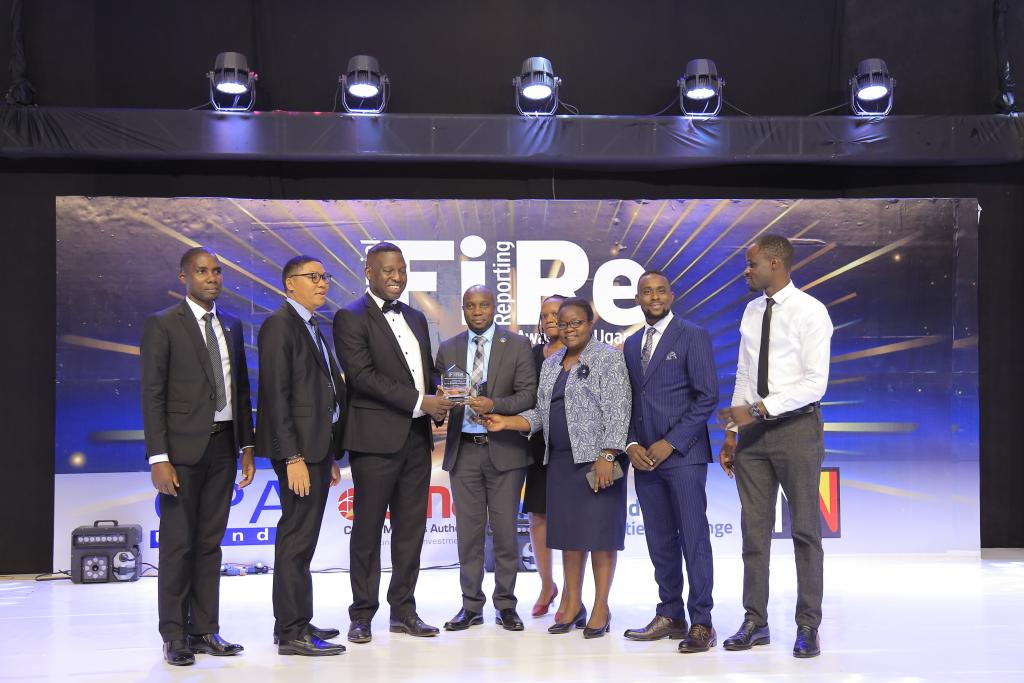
605 455
755 412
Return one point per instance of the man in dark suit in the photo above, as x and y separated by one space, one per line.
299 427
675 391
487 470
196 415
384 347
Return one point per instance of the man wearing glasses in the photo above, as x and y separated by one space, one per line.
299 427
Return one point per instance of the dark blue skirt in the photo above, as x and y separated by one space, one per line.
578 518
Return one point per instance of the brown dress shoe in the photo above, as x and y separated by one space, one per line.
700 639
660 627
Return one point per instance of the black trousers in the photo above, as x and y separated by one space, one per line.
400 482
192 527
297 534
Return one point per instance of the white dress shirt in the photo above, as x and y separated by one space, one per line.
467 424
659 331
798 351
325 351
410 348
226 414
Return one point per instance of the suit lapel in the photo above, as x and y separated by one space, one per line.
306 333
665 346
191 325
461 349
498 343
377 318
225 325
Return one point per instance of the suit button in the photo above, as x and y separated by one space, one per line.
213 397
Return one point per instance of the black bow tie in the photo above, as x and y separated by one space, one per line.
395 306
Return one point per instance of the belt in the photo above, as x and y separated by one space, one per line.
809 408
219 427
478 439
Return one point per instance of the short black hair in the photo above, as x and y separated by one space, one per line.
553 297
578 302
481 288
189 256
776 246
648 273
382 247
293 266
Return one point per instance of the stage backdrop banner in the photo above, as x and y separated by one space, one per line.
899 278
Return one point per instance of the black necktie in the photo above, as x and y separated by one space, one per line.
762 355
323 353
213 348
395 306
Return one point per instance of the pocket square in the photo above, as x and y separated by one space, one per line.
671 356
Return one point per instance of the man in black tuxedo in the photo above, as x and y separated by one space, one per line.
384 348
301 413
196 415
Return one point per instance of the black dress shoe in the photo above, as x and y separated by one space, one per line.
749 635
509 619
660 627
579 621
212 644
807 643
176 653
463 620
309 646
599 632
701 638
359 631
413 625
323 634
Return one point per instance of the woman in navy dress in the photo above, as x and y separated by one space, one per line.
535 497
583 407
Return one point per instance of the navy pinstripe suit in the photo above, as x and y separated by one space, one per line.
673 400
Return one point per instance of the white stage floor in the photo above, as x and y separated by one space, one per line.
886 618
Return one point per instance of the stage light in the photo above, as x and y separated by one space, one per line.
537 88
700 89
230 81
871 88
364 88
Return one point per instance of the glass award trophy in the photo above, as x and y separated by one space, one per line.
456 384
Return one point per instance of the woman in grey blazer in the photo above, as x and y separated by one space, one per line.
583 407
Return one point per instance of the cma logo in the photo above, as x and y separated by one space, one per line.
523 273
828 506
439 499
439 502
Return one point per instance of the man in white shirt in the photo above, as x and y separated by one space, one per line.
781 377
197 416
383 346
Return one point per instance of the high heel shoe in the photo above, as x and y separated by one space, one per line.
598 632
541 608
579 621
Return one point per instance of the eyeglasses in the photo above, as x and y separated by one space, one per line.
574 324
315 278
